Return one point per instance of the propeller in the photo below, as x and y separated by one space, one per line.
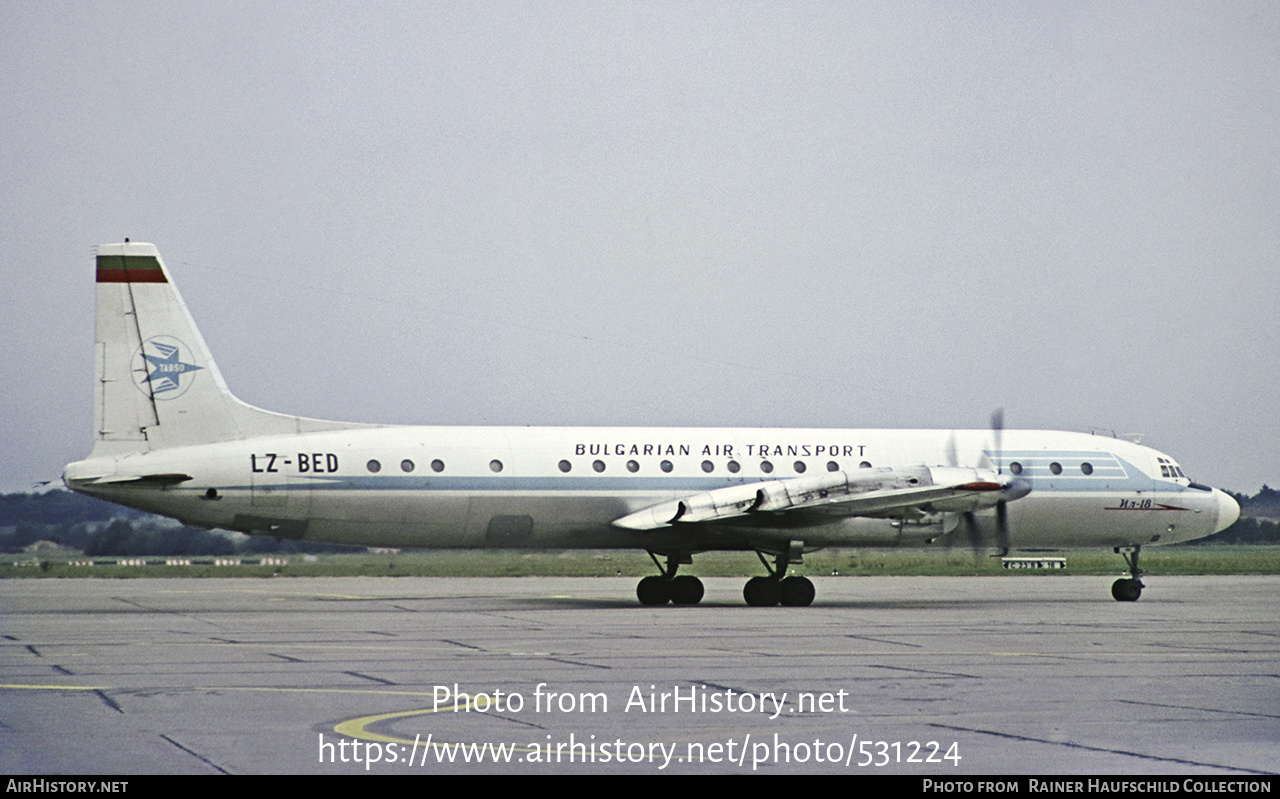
997 436
1013 489
1002 507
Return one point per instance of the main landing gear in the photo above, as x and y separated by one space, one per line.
659 589
778 588
760 592
1128 589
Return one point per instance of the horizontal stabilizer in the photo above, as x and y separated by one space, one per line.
166 479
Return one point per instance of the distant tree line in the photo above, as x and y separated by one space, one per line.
1265 503
1259 521
99 528
124 537
1247 530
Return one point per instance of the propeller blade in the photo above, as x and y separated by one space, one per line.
997 435
1002 527
973 533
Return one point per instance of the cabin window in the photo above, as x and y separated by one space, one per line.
832 466
373 466
1086 467
632 466
708 467
565 466
864 465
1015 467
799 467
1055 467
734 466
665 466
437 465
766 467
406 465
495 465
598 465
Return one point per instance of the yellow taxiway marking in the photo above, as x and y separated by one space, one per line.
355 728
1030 654
279 593
370 691
56 687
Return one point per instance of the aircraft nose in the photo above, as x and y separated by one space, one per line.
1228 511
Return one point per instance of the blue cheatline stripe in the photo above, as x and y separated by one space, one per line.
1118 475
514 483
1012 454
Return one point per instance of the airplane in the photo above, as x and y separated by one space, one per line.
171 439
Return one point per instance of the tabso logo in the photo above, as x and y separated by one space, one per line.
162 367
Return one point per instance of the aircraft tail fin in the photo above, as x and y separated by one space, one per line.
157 385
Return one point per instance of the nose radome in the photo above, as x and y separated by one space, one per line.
1228 510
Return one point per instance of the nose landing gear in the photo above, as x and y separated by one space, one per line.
1128 589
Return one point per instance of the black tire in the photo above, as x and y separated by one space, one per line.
654 590
1126 589
686 590
761 592
797 592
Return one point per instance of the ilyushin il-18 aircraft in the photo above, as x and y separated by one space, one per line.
170 438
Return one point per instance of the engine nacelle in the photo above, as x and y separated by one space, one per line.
983 488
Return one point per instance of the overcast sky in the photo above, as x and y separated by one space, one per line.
732 214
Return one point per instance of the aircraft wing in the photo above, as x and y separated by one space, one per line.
886 493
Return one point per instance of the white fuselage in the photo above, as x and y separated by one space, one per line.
564 487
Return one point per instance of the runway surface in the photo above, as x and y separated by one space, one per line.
1039 674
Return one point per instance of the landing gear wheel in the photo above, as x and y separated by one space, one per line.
1126 589
654 590
796 592
761 592
686 590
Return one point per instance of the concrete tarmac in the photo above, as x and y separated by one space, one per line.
1036 674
